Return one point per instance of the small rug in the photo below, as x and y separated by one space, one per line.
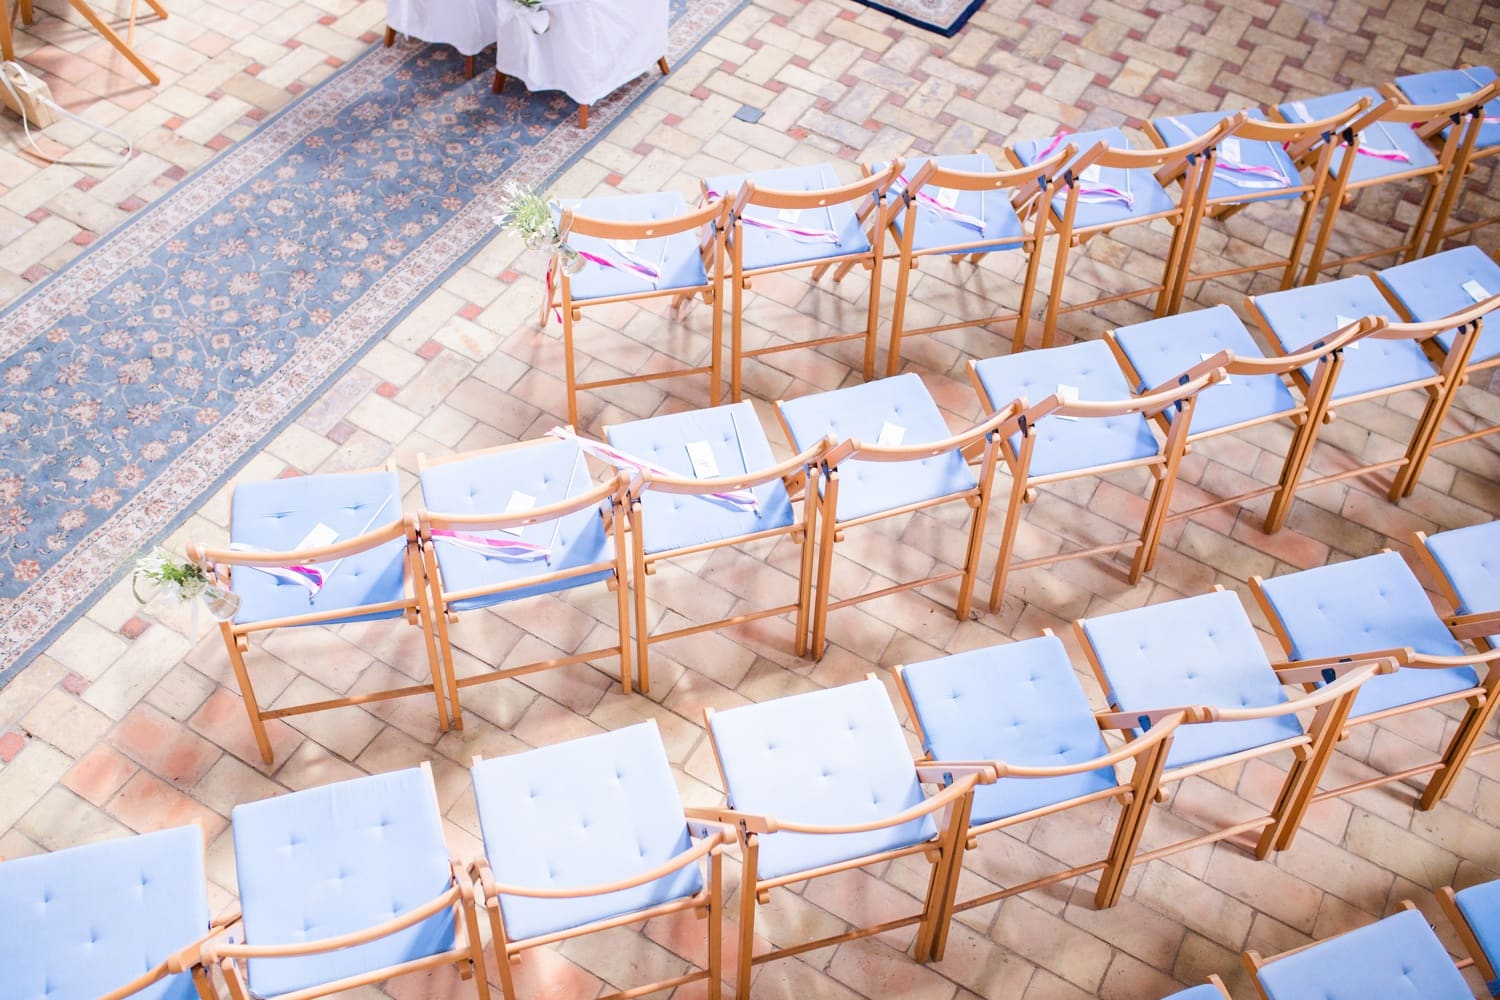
141 376
945 17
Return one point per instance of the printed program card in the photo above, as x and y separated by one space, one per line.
891 435
1475 290
519 503
702 457
789 215
320 535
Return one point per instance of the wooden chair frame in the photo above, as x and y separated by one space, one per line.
1022 418
125 46
1149 753
712 839
1463 374
1309 143
1184 162
1481 699
945 853
219 565
613 491
1311 751
1441 387
981 437
799 476
1395 111
867 193
1465 163
1254 961
1448 903
185 960
710 221
1306 417
1028 187
467 952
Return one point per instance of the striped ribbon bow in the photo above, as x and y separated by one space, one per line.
795 232
1274 177
304 576
928 201
508 549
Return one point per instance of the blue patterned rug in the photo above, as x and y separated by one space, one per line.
141 376
945 17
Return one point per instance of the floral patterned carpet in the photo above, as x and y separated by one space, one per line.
144 374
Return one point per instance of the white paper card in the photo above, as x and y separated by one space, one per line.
1230 149
1339 322
1091 173
789 215
1067 394
947 197
702 457
891 435
519 503
320 535
1226 380
625 246
1475 290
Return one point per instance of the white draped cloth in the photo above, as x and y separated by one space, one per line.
589 48
467 25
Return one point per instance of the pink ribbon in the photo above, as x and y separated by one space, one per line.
740 500
963 218
508 549
1096 194
1056 141
638 268
304 576
820 235
1393 154
1275 178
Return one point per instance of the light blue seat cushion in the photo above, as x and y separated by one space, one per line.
1444 85
674 521
1161 349
80 922
1021 704
1298 316
1480 905
1253 153
764 248
829 758
276 515
859 412
1066 444
675 257
583 813
1203 991
336 859
1381 135
1398 958
1470 559
936 228
1193 651
1433 287
1148 196
1363 606
549 473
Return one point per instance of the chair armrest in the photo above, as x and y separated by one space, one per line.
740 821
1154 717
961 787
211 952
1474 626
941 772
702 848
1347 684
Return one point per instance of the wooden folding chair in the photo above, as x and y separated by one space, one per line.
896 456
1449 283
1374 606
635 248
1472 83
325 549
1475 915
1086 423
1048 752
1255 163
345 885
821 783
1254 389
1386 149
113 919
799 217
1399 956
709 481
125 46
519 521
588 835
1103 190
1214 989
1381 362
1203 650
1461 561
965 207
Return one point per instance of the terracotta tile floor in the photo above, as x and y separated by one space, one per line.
126 723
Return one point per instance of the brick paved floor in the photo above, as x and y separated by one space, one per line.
126 723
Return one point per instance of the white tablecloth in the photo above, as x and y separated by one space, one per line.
467 25
590 48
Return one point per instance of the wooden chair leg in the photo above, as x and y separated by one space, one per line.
583 116
715 968
390 36
115 40
498 83
468 67
1469 732
747 920
638 587
898 315
805 576
247 692
662 62
7 42
1013 511
28 16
